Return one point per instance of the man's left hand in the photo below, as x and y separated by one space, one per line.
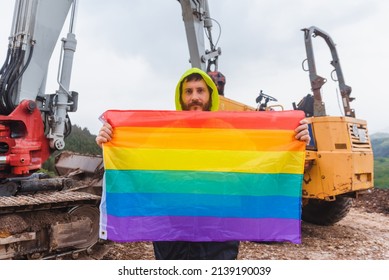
302 132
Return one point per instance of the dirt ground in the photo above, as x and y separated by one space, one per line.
362 235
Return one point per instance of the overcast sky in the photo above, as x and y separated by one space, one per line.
130 53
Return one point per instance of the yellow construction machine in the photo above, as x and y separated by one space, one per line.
339 158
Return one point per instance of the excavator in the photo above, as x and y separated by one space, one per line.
339 159
43 217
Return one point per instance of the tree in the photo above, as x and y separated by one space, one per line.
80 140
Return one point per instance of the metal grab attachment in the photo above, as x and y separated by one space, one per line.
318 81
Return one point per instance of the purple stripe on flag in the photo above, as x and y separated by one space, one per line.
183 228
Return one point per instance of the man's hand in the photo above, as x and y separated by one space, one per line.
302 132
105 134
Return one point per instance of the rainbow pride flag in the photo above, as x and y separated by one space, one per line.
202 176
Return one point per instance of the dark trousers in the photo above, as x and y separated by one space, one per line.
182 250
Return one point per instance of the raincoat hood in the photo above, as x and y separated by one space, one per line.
208 81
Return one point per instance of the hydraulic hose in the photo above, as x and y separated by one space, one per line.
4 81
15 81
14 74
6 61
11 74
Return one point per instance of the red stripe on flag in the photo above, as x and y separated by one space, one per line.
287 120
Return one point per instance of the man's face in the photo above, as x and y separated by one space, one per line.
195 96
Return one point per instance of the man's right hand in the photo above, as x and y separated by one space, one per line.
105 134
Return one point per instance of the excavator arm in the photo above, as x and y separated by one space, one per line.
40 217
33 123
196 17
318 81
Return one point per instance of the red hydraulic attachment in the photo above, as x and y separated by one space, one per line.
23 145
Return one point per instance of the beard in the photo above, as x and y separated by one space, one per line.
194 104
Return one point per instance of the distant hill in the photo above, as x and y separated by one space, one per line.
80 140
379 135
380 144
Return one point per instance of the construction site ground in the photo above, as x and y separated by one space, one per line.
362 235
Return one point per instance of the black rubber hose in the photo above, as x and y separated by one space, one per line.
15 81
4 81
13 78
6 61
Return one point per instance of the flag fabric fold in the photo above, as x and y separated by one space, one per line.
202 176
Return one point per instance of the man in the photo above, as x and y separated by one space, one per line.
196 91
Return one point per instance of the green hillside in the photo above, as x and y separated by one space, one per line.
81 141
381 172
380 144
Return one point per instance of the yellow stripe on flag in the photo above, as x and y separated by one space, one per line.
204 139
203 160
